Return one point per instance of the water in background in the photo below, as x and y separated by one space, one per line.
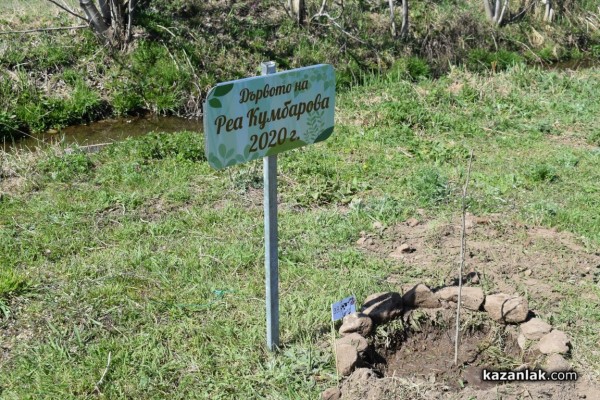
106 131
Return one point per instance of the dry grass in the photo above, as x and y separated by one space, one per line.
33 13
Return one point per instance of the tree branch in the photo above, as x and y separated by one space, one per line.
335 23
69 11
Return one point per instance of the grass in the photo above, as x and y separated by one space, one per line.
14 10
54 79
144 253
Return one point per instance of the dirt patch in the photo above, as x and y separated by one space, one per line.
505 257
427 355
417 362
150 211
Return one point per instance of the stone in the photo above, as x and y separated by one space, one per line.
554 342
356 323
382 307
346 359
405 248
420 296
402 250
522 342
355 340
471 297
333 393
507 309
556 362
412 222
535 328
522 367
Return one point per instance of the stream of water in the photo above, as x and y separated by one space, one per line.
113 130
107 131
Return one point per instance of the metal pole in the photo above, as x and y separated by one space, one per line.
271 253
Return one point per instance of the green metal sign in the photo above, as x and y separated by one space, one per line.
265 115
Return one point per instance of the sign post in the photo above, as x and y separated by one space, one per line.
271 235
260 117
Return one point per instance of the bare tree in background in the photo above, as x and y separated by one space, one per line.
392 22
549 10
111 20
404 28
495 10
298 9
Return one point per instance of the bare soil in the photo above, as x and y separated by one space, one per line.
428 355
500 257
506 258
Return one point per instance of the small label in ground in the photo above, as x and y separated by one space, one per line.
343 307
529 375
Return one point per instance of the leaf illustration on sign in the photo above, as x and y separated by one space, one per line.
224 153
223 90
324 135
215 162
215 103
253 117
315 126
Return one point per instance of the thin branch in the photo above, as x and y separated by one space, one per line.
69 11
129 19
392 23
541 61
101 381
502 13
166 29
462 260
60 28
334 22
322 10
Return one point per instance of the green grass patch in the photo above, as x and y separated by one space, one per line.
182 48
143 252
12 283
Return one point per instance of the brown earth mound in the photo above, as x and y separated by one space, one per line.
415 361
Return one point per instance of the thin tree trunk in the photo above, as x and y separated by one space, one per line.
405 27
548 13
105 11
94 16
488 10
496 14
130 10
500 18
392 23
117 15
298 8
497 11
